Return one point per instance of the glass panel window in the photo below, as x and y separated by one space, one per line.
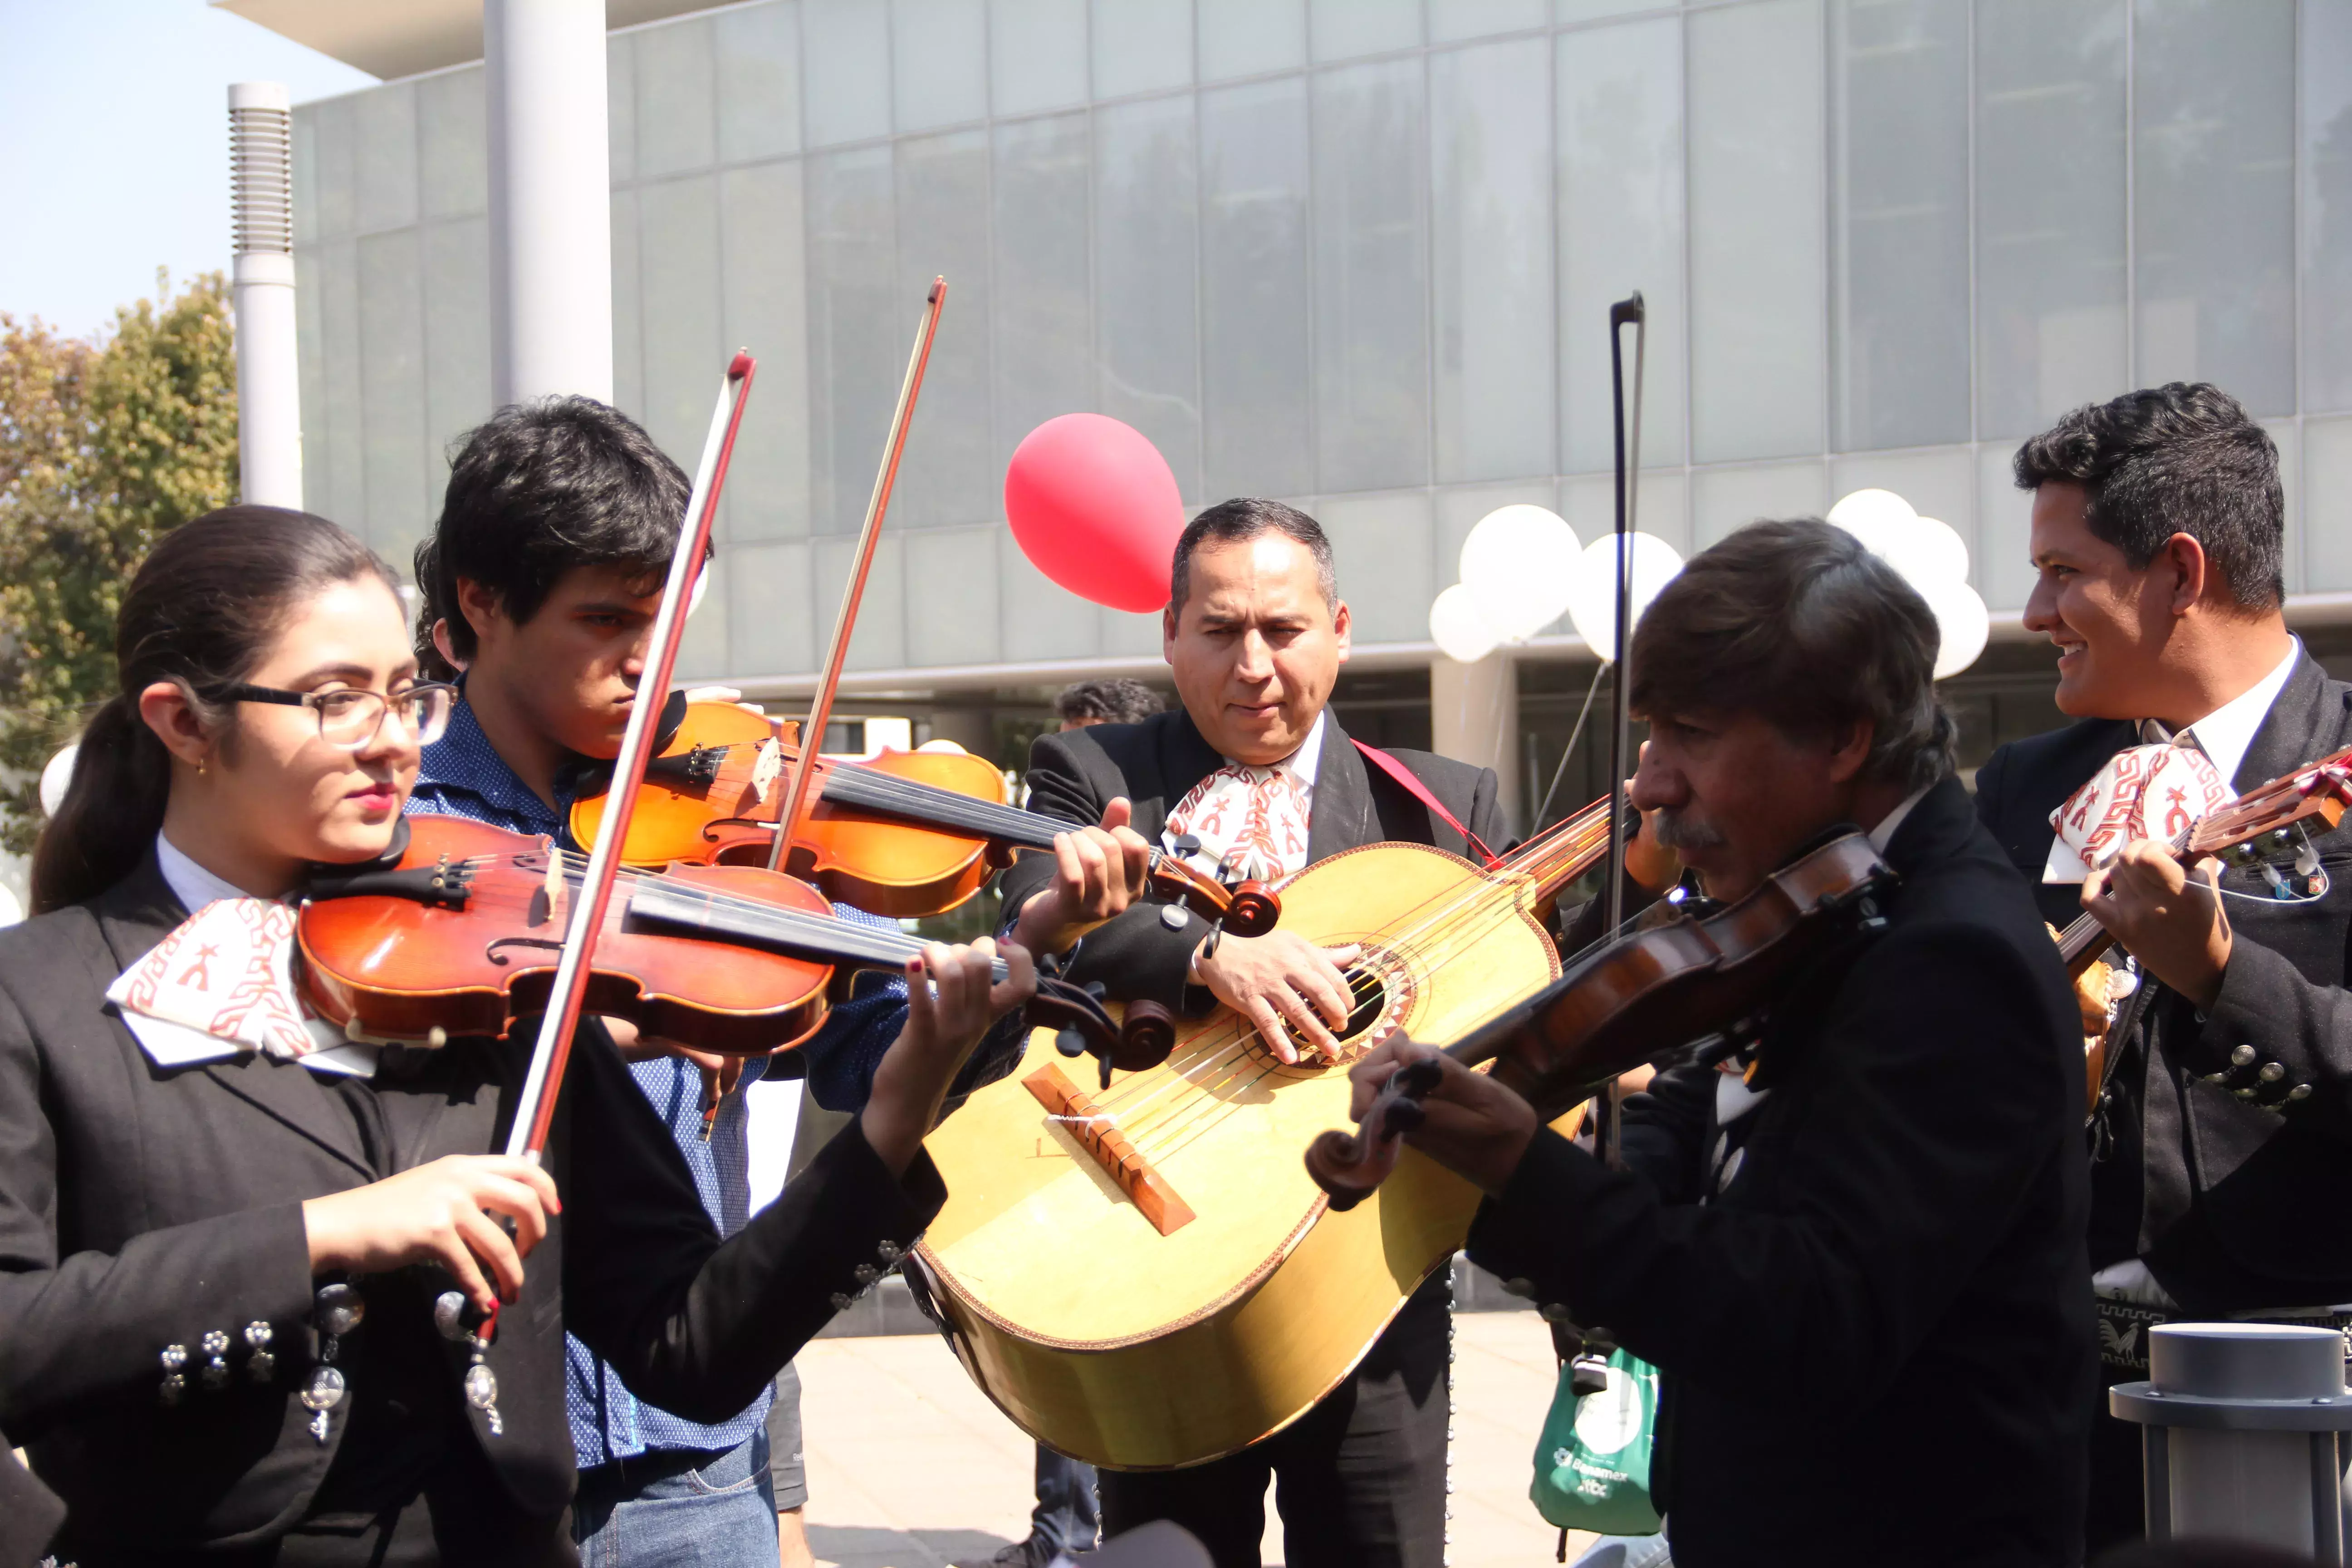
1147 238
1045 326
2050 210
766 310
454 144
1141 45
1253 193
856 355
948 475
1343 29
456 337
1899 221
344 492
1570 11
1490 132
2213 157
758 50
2327 211
1243 37
1371 276
1451 19
1036 55
384 157
677 94
628 326
392 391
621 104
940 48
1621 228
1756 225
678 258
845 55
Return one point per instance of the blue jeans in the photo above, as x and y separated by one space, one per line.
1066 1519
1627 1552
669 1510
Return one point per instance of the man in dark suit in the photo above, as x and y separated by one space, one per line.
2217 1150
1853 1248
1255 772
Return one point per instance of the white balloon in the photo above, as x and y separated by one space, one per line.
1925 551
1860 510
1520 562
1458 625
1592 609
55 777
1962 621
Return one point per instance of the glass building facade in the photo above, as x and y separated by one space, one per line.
1358 254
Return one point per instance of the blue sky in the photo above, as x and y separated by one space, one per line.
114 145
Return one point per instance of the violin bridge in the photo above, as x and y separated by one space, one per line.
1099 1132
553 886
766 768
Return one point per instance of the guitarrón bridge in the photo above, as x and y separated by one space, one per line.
1094 1128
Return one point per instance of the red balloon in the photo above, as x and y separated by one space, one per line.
1095 507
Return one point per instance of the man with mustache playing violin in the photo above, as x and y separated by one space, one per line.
2217 1139
539 584
1853 1247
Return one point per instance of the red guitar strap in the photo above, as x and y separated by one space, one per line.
1420 792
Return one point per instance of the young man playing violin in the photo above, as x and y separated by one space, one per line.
2217 1140
540 584
1856 1257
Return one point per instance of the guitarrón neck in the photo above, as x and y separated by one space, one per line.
1572 848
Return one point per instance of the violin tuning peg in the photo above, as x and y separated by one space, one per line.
1069 1042
1097 989
1406 1116
1185 844
1106 1073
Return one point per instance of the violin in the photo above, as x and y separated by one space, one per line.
1628 1001
906 834
459 930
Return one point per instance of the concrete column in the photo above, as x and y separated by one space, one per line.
261 223
550 200
973 729
1474 716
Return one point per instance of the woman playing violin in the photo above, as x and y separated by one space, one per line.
220 1267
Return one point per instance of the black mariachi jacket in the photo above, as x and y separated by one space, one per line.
1889 1285
143 1207
2232 1196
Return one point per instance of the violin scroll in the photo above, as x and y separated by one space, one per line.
1349 1166
1246 909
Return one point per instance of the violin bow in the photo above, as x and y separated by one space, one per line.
552 1051
797 798
1627 310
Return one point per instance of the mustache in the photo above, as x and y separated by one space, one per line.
1679 830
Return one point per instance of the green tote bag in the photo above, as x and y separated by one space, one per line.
1592 1462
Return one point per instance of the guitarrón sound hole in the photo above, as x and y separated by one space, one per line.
1372 998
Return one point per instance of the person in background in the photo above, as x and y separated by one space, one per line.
1083 704
1067 1519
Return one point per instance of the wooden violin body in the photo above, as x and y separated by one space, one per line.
904 834
1174 1346
393 957
717 790
463 935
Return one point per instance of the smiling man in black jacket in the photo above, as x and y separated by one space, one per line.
2219 1140
1858 1263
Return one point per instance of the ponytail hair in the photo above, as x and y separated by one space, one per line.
200 613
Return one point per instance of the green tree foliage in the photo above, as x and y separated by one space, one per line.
104 446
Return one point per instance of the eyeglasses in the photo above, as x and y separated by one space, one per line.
350 718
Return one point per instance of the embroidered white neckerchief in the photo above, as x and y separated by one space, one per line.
1252 822
222 983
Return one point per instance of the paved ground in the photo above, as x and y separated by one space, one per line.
910 1467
